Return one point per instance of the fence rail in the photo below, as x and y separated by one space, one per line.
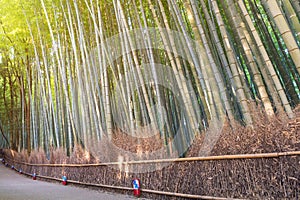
206 158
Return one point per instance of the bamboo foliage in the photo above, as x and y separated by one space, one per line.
268 70
210 71
239 88
215 38
171 69
246 44
296 7
291 16
285 31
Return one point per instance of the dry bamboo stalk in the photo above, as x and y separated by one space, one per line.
207 158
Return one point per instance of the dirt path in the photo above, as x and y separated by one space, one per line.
14 186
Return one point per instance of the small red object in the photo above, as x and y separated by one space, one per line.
64 180
136 187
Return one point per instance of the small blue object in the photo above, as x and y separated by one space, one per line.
136 184
64 178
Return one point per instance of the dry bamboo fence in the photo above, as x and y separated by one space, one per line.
150 191
124 188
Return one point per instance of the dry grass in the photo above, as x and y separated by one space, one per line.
268 135
135 144
278 134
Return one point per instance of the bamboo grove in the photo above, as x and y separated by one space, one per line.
77 71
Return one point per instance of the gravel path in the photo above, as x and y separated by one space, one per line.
14 186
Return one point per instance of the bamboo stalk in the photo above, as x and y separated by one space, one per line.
207 158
